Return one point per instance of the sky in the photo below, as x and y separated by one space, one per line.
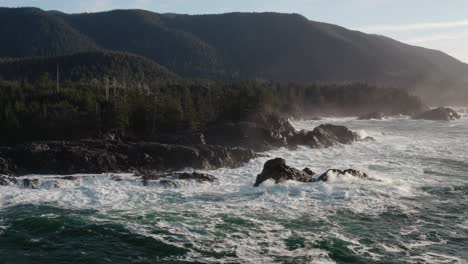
436 24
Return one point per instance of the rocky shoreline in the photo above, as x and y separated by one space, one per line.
223 145
436 114
228 144
275 170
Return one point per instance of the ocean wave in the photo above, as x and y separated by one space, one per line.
422 188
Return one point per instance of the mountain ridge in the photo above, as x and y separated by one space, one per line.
238 45
87 66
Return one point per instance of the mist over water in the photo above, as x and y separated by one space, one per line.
417 213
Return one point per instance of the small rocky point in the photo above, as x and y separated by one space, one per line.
277 170
439 114
373 116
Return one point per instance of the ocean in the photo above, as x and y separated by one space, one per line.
416 213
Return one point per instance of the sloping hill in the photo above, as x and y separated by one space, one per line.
290 47
281 47
33 32
88 66
144 33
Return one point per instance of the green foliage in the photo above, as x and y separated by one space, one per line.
97 67
100 92
37 110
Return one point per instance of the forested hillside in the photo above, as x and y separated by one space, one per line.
239 46
97 66
38 110
33 32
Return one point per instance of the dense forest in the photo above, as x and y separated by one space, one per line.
101 92
239 46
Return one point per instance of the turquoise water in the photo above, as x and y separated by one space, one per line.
418 213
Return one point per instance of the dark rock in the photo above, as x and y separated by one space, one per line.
176 157
309 171
261 132
330 134
100 156
229 145
116 178
441 113
368 139
7 180
199 177
265 132
30 183
164 183
277 170
245 134
324 136
273 122
338 173
170 179
64 158
69 178
376 116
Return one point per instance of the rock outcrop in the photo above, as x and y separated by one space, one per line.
334 173
147 177
261 132
99 156
171 179
277 170
222 145
271 131
439 114
7 180
323 136
373 116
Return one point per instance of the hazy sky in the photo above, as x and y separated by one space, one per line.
438 24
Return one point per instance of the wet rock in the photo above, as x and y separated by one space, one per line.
324 136
375 116
368 139
329 134
338 173
261 132
245 134
69 178
199 177
30 183
229 145
309 171
63 158
266 131
277 170
439 114
274 122
170 179
100 156
7 180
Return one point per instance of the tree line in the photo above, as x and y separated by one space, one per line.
37 110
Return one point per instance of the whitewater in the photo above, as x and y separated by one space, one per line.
416 213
